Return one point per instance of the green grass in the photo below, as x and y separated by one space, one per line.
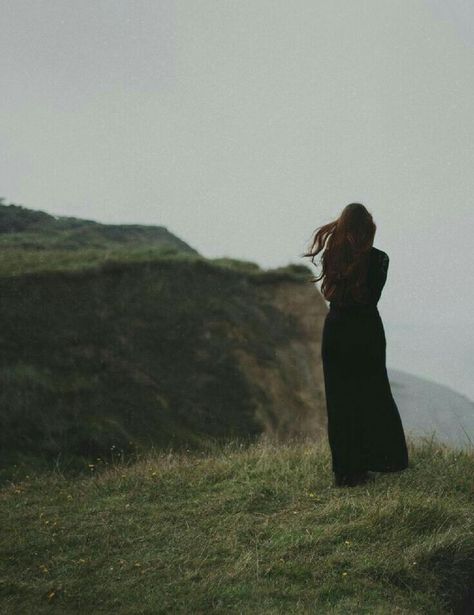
14 262
36 231
241 529
132 350
19 261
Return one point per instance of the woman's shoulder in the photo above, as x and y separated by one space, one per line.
379 254
380 259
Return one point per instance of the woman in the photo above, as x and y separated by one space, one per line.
364 426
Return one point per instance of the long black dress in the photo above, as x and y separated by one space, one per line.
364 427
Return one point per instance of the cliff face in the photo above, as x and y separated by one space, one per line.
294 401
170 352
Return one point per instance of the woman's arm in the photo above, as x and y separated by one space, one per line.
379 276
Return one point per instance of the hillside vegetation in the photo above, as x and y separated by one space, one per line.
111 351
132 354
241 529
27 229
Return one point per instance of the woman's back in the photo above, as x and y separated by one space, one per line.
364 426
376 278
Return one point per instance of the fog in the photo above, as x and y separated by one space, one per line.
243 126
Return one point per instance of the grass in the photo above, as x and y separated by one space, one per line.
15 262
132 350
20 261
244 529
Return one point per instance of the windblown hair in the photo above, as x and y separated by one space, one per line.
345 259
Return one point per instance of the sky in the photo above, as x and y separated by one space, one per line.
243 125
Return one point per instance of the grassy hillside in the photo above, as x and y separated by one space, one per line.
258 529
32 230
122 353
116 338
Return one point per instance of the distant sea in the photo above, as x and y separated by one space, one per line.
441 352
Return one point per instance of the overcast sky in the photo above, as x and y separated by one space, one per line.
242 125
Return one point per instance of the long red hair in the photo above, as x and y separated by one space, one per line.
345 260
